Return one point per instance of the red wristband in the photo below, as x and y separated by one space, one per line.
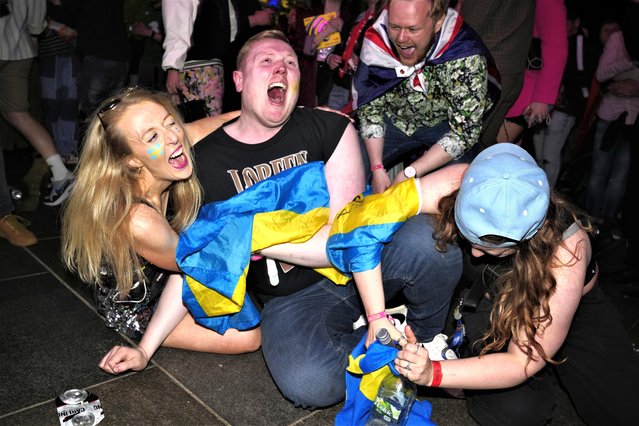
437 374
376 167
373 317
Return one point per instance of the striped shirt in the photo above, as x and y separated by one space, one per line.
26 19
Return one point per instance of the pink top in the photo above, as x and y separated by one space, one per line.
615 64
543 85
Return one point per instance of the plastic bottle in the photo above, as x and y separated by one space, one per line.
395 396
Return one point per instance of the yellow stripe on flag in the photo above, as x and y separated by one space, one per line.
214 303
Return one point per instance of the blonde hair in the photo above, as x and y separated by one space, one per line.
96 229
438 8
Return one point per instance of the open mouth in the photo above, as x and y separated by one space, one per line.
178 159
277 92
406 51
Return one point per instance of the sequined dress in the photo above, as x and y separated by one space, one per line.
130 315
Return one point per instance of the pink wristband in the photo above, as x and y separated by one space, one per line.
437 375
377 167
373 317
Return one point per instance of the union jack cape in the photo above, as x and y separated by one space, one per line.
380 70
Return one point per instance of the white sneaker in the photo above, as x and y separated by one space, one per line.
438 349
361 322
60 191
397 314
398 317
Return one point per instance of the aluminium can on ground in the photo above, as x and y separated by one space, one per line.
78 407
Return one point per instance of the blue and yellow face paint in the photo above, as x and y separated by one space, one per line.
156 151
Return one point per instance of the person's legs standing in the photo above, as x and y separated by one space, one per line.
601 162
617 180
505 27
58 84
549 143
11 227
14 107
98 79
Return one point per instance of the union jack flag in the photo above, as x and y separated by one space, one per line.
380 70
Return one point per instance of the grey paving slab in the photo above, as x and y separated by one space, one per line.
50 342
322 417
239 387
48 252
46 220
16 262
146 398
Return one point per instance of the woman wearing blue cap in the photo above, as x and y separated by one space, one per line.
546 318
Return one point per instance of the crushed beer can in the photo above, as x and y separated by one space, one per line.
78 407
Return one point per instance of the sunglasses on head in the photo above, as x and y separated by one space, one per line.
108 107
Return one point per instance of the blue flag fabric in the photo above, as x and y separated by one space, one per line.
214 252
360 230
365 372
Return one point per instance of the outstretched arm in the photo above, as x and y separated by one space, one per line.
506 369
170 311
357 239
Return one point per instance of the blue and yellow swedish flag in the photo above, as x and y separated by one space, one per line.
364 225
364 374
214 252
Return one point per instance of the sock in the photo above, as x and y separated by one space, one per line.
58 169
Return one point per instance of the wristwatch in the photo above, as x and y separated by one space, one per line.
410 172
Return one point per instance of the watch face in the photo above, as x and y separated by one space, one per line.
410 172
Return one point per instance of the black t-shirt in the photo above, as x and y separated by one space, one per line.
226 167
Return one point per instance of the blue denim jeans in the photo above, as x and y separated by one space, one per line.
608 175
338 98
549 142
58 82
98 79
397 143
308 335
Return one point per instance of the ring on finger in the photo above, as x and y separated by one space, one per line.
416 348
407 366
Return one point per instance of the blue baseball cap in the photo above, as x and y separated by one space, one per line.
503 192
